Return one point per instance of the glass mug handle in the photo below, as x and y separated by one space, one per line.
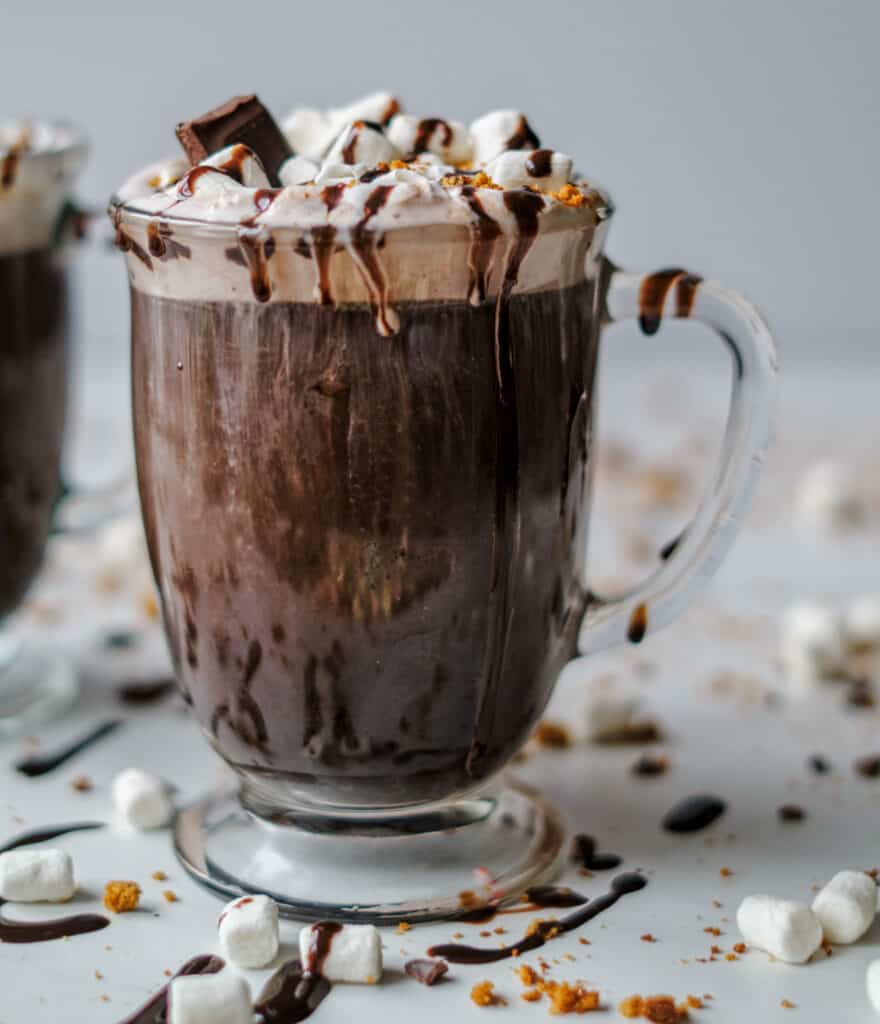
693 557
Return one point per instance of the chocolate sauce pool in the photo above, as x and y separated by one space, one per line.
41 764
59 927
457 953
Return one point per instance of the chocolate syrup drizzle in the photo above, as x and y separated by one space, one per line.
622 885
295 990
161 243
638 624
42 764
61 927
425 130
155 1011
526 207
364 245
537 898
540 163
484 234
125 243
255 247
242 713
523 137
654 289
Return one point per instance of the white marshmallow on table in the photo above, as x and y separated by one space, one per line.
297 170
248 931
449 140
29 876
223 998
830 498
497 131
142 800
811 642
846 906
872 984
310 132
786 929
359 143
861 622
511 169
609 716
355 953
239 162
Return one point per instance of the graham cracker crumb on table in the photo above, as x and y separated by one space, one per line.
740 947
532 995
158 876
658 1009
484 994
121 897
82 784
170 896
725 872
787 1005
552 734
631 1007
99 976
711 930
647 937
695 1003
403 926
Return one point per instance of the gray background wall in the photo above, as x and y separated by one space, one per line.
739 138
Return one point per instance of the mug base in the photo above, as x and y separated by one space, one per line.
427 864
36 685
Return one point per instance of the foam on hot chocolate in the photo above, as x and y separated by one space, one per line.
358 178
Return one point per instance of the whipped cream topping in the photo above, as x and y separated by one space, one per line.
38 159
358 177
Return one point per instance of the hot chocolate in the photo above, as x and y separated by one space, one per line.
362 459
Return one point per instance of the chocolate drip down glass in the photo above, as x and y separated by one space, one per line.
364 464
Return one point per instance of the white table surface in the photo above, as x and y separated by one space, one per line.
707 680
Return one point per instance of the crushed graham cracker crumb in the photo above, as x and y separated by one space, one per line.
740 947
403 926
398 165
82 784
647 937
570 195
526 974
170 896
730 956
484 994
552 734
786 1004
631 1007
725 872
531 995
537 923
121 897
711 930
158 876
662 1010
695 1003
99 976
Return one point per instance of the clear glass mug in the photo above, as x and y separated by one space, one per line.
367 507
35 223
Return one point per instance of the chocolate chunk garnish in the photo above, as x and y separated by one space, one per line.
791 812
428 972
693 813
243 120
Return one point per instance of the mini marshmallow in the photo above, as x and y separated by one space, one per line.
786 929
336 174
846 906
872 984
240 163
515 168
355 953
310 132
248 930
861 623
361 142
609 716
297 170
141 799
29 876
492 133
811 642
449 140
376 106
830 499
223 998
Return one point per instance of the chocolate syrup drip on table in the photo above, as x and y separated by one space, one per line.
654 289
290 995
694 813
61 927
583 853
539 897
156 1010
146 692
525 206
622 885
363 243
42 764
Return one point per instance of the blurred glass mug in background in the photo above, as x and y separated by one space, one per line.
39 159
363 422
